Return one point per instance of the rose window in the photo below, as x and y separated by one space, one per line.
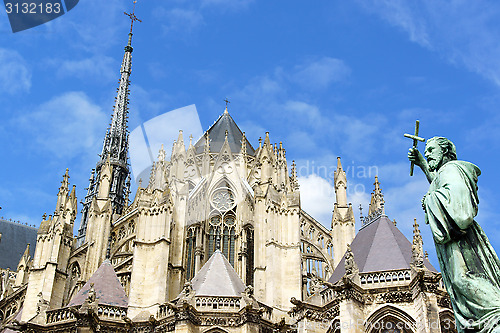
223 200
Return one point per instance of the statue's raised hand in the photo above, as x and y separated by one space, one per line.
416 157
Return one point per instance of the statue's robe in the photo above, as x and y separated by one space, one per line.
469 264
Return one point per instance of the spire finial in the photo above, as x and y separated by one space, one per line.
377 200
416 230
161 154
227 102
65 182
376 207
132 17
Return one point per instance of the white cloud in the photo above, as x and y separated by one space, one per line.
305 112
98 66
463 32
357 196
260 91
99 25
403 14
253 131
67 126
227 4
396 173
319 74
15 76
179 20
317 197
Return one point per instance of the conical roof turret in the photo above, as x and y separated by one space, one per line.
217 278
106 285
217 133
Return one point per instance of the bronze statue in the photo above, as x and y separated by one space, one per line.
469 265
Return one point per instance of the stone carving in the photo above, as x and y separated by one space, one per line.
350 265
316 284
42 304
397 297
444 302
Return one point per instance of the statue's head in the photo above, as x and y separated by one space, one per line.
438 151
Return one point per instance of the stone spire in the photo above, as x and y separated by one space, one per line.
115 145
63 193
294 182
377 201
340 181
343 223
417 246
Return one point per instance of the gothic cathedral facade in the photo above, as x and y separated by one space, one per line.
215 240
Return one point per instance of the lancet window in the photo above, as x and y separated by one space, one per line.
222 235
190 262
222 222
250 257
329 248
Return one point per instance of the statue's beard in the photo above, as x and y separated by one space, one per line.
433 164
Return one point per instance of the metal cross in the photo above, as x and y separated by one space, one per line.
415 139
132 17
227 101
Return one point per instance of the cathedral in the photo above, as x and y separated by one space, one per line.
216 241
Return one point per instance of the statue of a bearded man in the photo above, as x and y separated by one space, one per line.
469 265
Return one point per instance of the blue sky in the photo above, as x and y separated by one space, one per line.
328 78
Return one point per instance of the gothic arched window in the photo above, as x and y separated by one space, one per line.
250 256
222 223
191 244
390 319
329 249
447 322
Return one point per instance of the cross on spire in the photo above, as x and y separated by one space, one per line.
132 17
227 102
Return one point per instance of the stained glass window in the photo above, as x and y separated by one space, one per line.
223 200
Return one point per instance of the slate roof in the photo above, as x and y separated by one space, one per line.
15 237
217 278
379 246
108 289
217 134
